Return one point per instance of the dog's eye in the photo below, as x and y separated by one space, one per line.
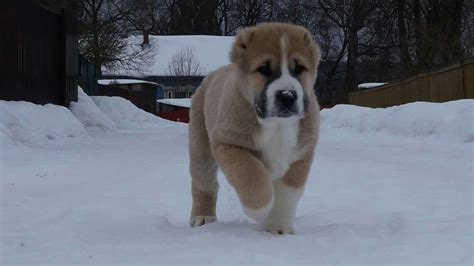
298 69
265 70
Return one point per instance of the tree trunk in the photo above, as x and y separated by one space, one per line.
450 31
403 40
351 76
356 23
146 37
418 34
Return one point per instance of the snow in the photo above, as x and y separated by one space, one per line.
37 125
450 121
212 52
371 85
124 81
124 113
180 102
378 197
90 115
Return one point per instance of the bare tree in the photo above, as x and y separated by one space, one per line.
194 17
145 17
438 31
223 16
351 17
250 12
185 63
468 28
361 40
102 39
403 37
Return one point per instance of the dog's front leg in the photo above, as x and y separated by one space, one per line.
249 177
288 191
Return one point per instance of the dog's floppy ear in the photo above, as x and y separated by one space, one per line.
242 40
315 50
307 38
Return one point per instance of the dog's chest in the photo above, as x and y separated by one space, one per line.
277 141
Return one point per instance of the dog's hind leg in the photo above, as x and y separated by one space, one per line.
202 167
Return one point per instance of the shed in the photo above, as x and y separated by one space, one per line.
39 51
174 109
177 86
142 93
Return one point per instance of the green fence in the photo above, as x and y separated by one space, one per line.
89 76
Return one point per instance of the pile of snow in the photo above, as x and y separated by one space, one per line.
180 102
90 115
124 113
50 125
123 81
211 52
37 125
451 120
371 85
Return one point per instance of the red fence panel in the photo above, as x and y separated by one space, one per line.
179 115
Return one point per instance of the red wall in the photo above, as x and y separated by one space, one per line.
180 115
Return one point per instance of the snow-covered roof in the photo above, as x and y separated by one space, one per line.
212 52
371 85
123 81
180 102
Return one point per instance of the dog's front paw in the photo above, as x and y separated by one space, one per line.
198 220
277 229
260 214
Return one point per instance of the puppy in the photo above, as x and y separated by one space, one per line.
257 119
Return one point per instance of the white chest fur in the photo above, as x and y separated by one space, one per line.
277 141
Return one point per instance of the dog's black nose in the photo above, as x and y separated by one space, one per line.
286 98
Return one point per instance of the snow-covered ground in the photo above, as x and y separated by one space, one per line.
388 187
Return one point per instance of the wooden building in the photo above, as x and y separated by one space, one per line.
177 86
39 51
142 93
174 109
170 86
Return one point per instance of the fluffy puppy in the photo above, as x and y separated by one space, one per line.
257 119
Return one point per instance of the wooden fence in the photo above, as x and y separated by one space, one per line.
447 84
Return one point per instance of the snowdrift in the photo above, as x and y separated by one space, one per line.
28 123
451 120
46 125
124 113
90 115
40 125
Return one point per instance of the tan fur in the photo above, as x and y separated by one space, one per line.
204 203
223 120
246 173
298 173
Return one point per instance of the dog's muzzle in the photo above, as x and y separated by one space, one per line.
282 104
285 104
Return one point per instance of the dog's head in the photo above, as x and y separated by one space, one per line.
278 63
